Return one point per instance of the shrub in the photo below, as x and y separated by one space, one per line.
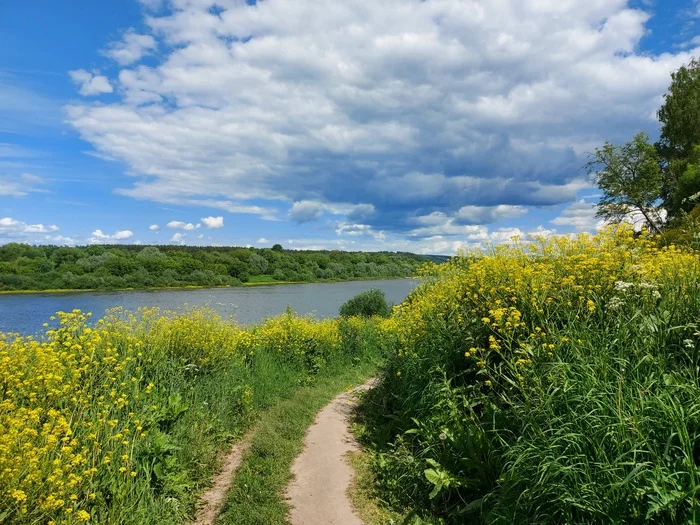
366 304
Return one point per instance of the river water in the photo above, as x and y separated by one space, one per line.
27 313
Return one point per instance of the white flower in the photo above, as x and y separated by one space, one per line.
622 286
615 302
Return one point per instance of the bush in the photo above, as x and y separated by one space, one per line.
367 304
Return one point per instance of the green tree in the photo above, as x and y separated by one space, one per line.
630 178
680 113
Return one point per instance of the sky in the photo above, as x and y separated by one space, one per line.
427 126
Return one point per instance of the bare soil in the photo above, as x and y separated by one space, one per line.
213 499
318 493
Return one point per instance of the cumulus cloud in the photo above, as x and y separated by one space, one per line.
213 222
20 185
306 211
14 228
489 214
178 237
344 228
99 237
581 216
179 225
131 48
262 240
466 222
409 107
154 227
90 83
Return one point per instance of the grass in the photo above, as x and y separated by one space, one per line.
366 499
256 496
123 421
552 382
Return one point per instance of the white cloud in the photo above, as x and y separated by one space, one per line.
179 225
131 48
90 83
178 237
262 240
400 105
213 222
306 211
20 185
581 216
467 222
10 227
154 227
488 214
60 240
344 228
99 237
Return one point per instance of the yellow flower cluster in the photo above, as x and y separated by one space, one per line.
75 403
498 302
67 406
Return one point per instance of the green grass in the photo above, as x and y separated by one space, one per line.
256 496
213 419
366 499
547 399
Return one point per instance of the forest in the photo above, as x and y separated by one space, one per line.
110 267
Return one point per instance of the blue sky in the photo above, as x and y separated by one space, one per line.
425 126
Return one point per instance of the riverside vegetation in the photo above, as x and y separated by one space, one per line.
122 421
98 267
541 382
556 381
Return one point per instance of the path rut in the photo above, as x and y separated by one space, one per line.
211 502
317 494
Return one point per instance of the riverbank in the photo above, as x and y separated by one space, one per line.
192 287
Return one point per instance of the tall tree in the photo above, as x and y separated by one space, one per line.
630 177
680 137
680 113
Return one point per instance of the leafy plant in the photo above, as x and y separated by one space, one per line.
366 304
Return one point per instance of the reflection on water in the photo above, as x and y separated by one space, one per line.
27 313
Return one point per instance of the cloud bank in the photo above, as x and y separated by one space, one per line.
417 118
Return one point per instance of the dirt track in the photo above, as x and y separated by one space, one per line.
318 493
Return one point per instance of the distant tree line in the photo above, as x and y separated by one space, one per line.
658 184
108 267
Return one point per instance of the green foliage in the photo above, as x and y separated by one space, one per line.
630 178
680 113
549 383
366 304
24 267
194 380
634 178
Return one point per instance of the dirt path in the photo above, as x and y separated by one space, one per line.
318 493
212 500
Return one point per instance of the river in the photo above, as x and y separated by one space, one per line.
27 313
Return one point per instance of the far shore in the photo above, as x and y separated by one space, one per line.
188 287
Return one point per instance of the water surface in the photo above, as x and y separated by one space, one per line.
27 313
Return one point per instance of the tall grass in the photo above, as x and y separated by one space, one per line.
122 421
546 382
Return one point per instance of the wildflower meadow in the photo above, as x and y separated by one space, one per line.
552 381
121 421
